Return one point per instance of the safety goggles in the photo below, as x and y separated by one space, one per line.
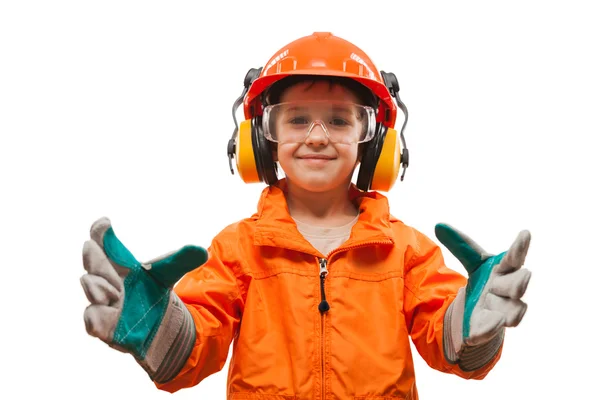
341 122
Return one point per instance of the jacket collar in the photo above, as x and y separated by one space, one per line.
275 226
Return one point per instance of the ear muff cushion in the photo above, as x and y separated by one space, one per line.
369 158
244 149
388 163
265 166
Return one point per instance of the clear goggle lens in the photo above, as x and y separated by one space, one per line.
341 122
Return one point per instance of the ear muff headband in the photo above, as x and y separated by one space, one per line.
383 155
390 80
252 151
240 144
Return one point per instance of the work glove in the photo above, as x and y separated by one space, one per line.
133 307
474 323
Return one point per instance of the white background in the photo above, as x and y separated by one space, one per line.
123 108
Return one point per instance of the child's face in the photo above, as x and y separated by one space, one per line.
317 164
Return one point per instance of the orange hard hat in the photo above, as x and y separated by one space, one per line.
322 54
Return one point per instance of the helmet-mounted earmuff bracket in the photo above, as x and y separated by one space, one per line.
251 76
393 86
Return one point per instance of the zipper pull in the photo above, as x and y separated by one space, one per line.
323 306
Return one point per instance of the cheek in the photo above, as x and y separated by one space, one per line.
285 152
349 153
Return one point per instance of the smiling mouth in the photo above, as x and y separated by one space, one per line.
316 157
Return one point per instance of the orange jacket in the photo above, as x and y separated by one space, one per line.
261 288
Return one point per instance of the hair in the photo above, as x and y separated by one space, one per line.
274 94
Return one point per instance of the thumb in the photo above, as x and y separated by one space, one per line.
168 269
469 253
103 234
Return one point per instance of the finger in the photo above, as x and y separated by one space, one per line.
513 285
469 253
95 262
100 321
515 256
512 309
103 234
98 290
98 230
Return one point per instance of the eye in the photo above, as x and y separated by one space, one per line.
299 121
339 122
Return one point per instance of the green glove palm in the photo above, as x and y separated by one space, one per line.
133 307
491 300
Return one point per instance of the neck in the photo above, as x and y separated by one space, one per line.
330 208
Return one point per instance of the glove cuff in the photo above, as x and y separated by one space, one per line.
468 358
172 343
474 357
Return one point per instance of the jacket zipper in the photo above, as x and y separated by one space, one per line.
324 305
323 308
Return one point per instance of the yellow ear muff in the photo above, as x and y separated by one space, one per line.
246 164
388 164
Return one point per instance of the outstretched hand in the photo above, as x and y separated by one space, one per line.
496 284
133 307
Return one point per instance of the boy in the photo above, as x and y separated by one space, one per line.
322 288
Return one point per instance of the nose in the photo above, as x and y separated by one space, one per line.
317 135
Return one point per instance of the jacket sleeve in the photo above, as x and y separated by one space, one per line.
213 295
430 288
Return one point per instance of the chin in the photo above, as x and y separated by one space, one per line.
317 187
321 182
